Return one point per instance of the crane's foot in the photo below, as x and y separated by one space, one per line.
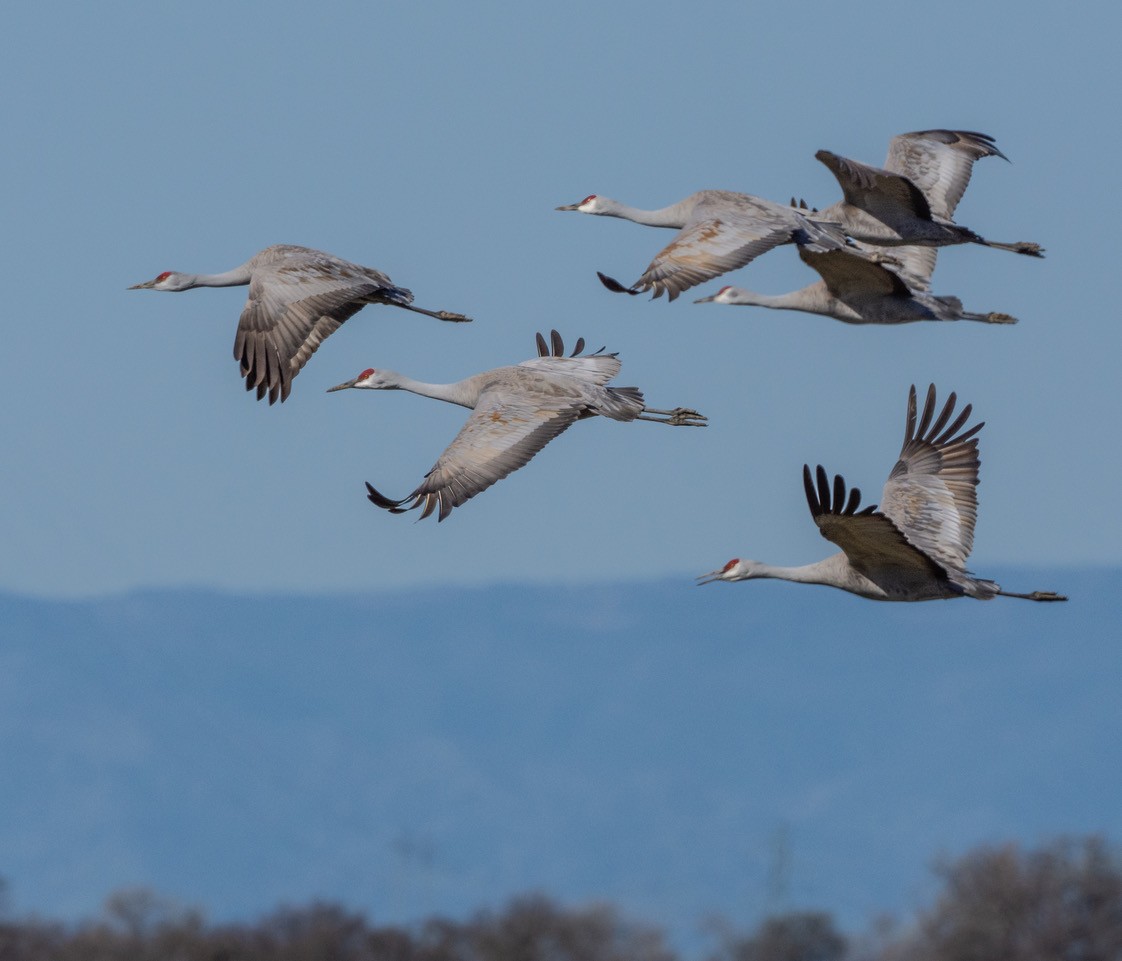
1026 247
453 317
886 259
1046 596
678 417
997 318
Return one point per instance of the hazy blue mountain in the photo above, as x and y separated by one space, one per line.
680 751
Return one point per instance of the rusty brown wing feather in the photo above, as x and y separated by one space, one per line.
500 436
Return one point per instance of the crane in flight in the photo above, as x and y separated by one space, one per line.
718 231
912 199
861 289
516 411
914 547
298 297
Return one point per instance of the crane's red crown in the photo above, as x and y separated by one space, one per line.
723 289
366 373
587 199
164 276
730 565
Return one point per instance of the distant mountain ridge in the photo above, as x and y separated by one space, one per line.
680 751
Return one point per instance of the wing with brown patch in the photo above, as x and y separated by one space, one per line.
500 436
726 231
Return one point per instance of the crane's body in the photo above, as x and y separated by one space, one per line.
297 298
912 199
857 289
718 231
516 411
914 548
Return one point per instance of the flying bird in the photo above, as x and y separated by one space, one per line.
718 231
913 198
297 298
914 547
516 411
860 289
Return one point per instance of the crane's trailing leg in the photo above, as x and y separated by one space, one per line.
1026 247
438 314
1035 596
992 318
678 417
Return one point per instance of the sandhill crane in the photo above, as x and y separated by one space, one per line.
297 298
719 231
516 411
858 289
913 198
915 547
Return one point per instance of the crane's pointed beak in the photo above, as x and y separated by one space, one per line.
710 577
706 300
145 286
343 386
568 207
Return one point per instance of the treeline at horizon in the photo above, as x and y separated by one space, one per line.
1061 901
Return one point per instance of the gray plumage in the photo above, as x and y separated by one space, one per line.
718 231
914 548
912 199
298 297
516 411
860 288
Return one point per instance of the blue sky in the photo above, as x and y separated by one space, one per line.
434 141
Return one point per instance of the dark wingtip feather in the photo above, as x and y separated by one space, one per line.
823 488
615 286
557 343
543 351
380 500
811 494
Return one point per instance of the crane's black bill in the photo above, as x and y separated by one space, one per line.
343 386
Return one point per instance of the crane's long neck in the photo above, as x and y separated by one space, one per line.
238 277
832 571
674 216
462 392
817 573
812 299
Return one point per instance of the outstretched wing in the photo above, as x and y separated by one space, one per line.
850 275
500 436
724 233
882 193
873 544
940 162
597 368
294 305
931 493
